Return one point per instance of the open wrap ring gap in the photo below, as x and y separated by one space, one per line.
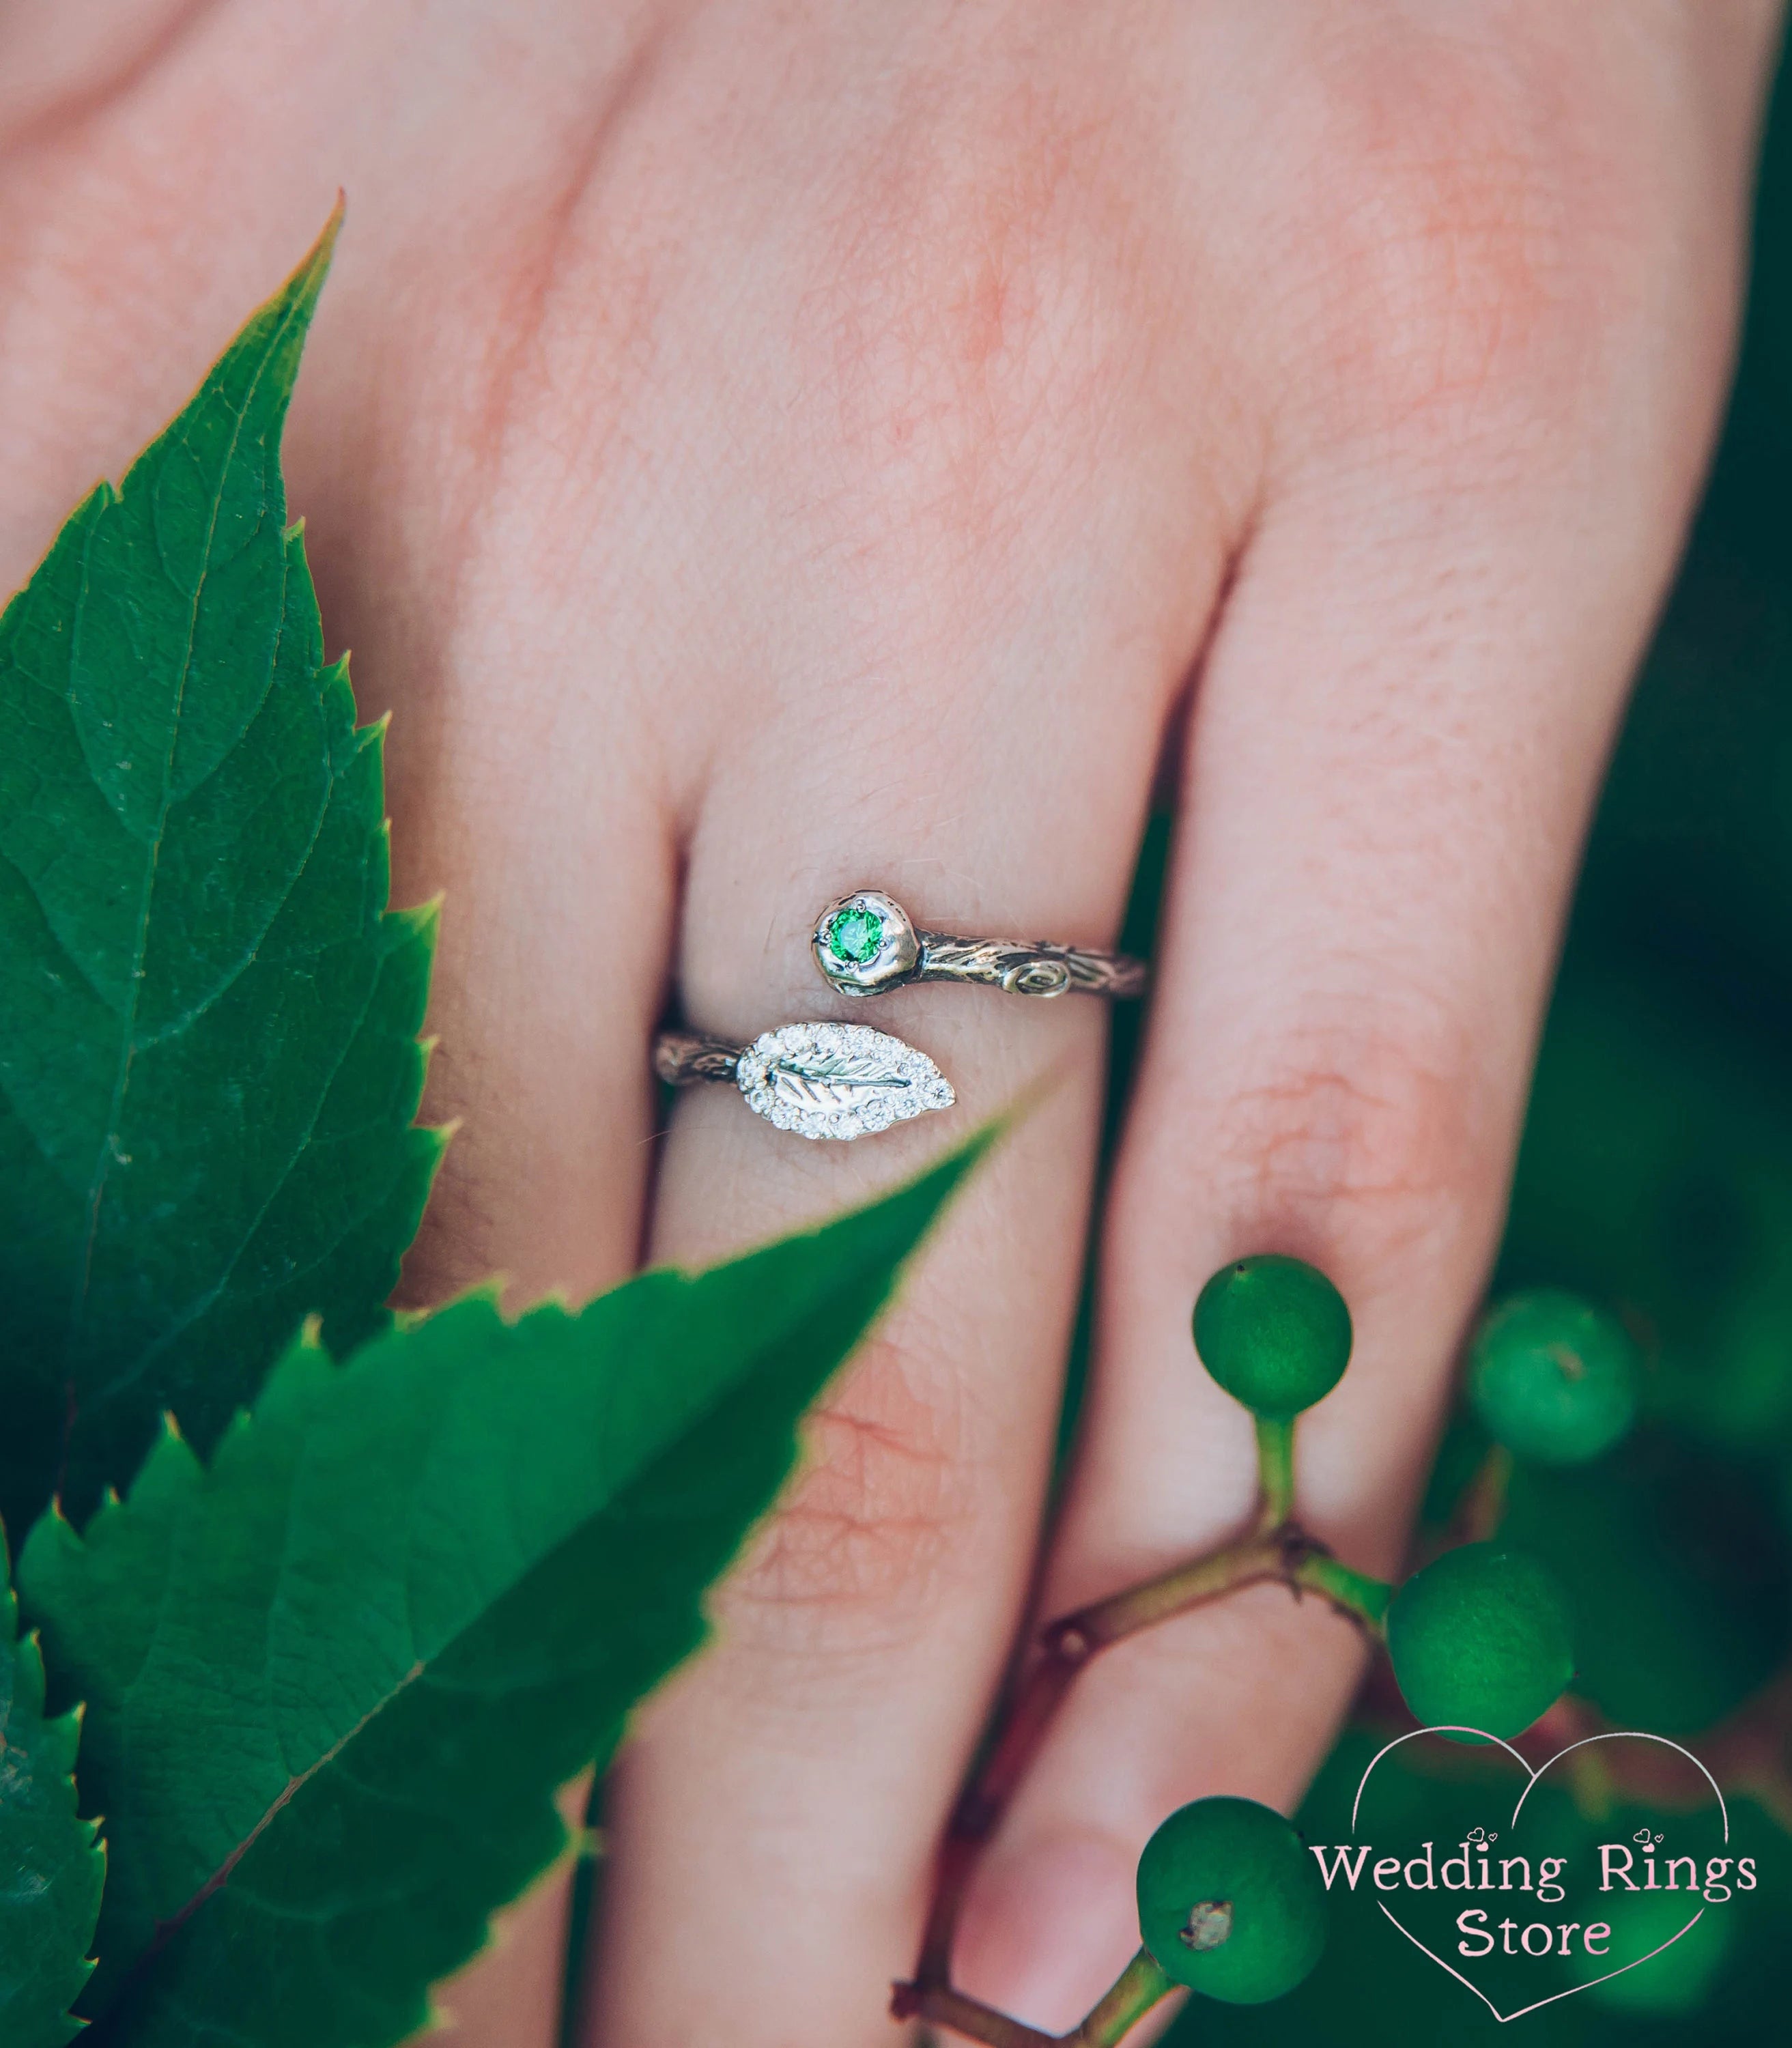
847 1080
866 943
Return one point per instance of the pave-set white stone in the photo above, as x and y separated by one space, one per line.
838 1081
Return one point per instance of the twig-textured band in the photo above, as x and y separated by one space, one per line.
1022 969
680 1058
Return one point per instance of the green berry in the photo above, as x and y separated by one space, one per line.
1552 1378
1482 1638
1274 1332
1676 1978
1229 1901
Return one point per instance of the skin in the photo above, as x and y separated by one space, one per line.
759 451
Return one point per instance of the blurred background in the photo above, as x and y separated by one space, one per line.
1656 1176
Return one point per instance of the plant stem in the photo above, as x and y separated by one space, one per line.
1482 1507
982 1803
1275 1470
1138 1988
1093 1627
1355 1595
943 2007
1065 1648
1591 1785
1280 1550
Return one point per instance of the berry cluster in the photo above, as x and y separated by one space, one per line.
1480 1639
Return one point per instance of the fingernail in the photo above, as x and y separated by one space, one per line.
1046 1931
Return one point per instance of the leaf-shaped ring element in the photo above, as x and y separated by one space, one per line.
865 942
820 1081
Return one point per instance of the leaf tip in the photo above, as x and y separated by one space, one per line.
52 1531
437 1137
315 265
952 1167
422 920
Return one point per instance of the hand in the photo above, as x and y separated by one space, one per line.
760 452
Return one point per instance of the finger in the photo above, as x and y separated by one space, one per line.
787 1790
464 530
512 1995
488 472
799 1770
1397 737
525 788
454 521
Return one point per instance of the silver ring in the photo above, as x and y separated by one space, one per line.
820 1081
866 943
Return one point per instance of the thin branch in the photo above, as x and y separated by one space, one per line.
1286 1554
1482 1507
1275 1471
1138 1988
1277 1549
1093 1627
1063 1649
943 2007
984 1801
1354 1594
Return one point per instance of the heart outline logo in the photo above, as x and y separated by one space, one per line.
1531 1777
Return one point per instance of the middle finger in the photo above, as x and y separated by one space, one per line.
968 714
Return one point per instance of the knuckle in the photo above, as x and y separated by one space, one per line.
860 1549
967 317
1368 1135
1472 229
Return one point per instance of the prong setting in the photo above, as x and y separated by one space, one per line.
865 943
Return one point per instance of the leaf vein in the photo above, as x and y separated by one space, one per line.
120 1383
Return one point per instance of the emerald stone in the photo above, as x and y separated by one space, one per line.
854 935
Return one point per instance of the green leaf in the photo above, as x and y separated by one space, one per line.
333 1680
208 1056
51 1868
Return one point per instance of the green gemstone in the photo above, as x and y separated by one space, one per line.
854 936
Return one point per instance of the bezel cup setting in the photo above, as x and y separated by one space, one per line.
898 948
